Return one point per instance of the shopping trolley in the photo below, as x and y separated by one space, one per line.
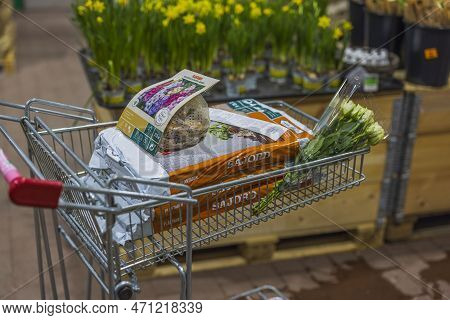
84 215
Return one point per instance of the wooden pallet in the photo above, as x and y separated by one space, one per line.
427 202
271 248
419 227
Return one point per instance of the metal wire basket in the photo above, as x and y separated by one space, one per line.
58 160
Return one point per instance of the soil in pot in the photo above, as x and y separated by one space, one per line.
260 65
236 85
333 80
313 81
113 97
133 86
297 77
278 72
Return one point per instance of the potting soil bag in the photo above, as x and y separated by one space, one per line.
245 137
170 115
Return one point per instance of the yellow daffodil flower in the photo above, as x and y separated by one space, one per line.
200 28
122 3
159 5
239 8
189 19
297 2
182 6
81 10
347 26
99 6
230 2
99 20
255 12
219 10
285 8
89 4
324 22
337 34
165 22
171 13
268 11
203 7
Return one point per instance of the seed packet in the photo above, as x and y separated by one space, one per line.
148 114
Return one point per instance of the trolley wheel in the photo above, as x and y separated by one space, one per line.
124 290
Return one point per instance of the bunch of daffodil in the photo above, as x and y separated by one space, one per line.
260 14
282 28
174 34
245 36
331 44
97 19
154 44
203 24
319 44
130 31
306 32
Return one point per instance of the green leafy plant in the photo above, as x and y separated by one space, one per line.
283 25
131 34
319 45
242 34
96 19
153 42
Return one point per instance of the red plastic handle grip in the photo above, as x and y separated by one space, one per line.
29 192
35 193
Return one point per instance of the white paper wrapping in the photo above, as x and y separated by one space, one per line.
128 226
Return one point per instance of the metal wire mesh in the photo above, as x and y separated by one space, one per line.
62 154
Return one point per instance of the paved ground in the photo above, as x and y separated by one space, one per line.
49 69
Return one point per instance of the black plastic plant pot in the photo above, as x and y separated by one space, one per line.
357 19
385 31
427 55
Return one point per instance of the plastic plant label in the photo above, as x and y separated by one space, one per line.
431 53
147 115
371 82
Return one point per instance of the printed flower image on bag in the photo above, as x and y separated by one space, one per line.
166 95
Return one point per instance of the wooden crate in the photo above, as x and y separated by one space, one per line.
427 197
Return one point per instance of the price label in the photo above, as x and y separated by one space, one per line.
431 53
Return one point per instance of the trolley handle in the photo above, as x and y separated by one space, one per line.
27 191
